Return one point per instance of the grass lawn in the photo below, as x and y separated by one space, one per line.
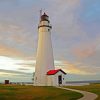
94 88
18 92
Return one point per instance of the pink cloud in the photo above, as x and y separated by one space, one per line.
84 50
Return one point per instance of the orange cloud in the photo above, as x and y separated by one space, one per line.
16 33
77 68
84 51
9 27
8 51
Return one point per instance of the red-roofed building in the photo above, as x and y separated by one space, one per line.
53 72
56 77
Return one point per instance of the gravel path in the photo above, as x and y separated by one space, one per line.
86 95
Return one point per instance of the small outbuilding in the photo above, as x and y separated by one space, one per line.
56 77
6 81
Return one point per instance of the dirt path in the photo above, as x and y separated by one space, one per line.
86 95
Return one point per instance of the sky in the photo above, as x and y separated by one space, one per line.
75 37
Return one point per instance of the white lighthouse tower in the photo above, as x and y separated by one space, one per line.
44 60
45 73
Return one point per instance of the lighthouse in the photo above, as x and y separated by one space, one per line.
44 59
44 70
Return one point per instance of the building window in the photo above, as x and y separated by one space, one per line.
48 29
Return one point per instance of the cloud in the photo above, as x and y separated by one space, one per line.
11 52
87 52
17 37
9 27
78 68
12 72
16 64
14 32
15 76
84 50
28 66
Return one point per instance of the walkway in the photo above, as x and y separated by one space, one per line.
86 95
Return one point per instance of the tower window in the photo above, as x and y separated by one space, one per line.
48 29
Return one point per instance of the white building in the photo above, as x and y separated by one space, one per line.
45 60
56 77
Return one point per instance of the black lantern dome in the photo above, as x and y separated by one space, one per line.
44 17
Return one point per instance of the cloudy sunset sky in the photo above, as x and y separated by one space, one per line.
75 37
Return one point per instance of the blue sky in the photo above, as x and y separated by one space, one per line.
75 37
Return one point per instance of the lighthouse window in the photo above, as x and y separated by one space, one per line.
48 29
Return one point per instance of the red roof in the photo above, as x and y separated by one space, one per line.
53 72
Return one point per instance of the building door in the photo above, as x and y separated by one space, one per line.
59 79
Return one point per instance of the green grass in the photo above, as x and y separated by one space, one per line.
94 88
17 92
